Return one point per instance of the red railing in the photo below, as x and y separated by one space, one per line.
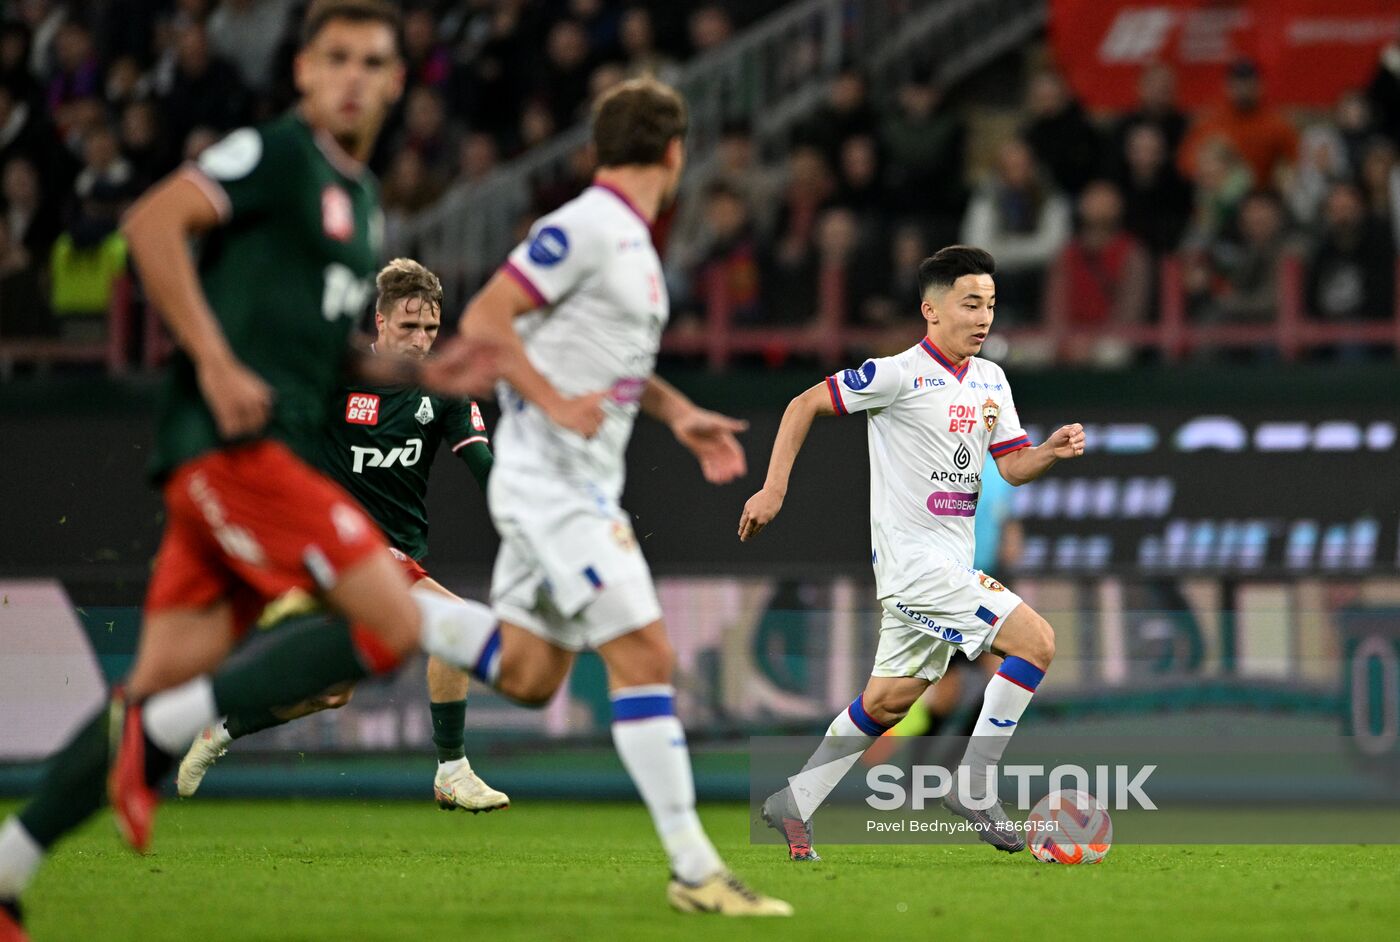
830 338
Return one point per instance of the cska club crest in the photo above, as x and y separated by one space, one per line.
424 415
337 215
990 413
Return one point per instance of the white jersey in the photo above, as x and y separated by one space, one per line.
592 269
930 429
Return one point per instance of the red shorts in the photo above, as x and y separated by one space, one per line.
409 565
250 523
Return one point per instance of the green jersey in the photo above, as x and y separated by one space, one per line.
379 444
287 275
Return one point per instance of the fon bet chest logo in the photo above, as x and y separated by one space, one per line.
362 409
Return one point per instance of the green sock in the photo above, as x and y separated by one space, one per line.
246 722
300 659
74 785
448 719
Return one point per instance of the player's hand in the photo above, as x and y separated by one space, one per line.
460 369
1067 442
581 414
758 513
710 437
239 400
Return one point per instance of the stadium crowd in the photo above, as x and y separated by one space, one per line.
99 99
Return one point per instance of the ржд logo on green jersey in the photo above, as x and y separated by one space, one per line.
406 455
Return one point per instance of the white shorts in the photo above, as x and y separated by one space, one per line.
569 568
950 608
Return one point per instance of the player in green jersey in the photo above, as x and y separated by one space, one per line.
379 445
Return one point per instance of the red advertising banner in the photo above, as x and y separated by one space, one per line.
1308 51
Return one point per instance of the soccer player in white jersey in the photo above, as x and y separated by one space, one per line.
575 318
934 413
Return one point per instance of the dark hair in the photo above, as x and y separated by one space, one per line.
950 263
635 121
322 12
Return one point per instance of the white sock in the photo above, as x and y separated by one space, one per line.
848 736
651 743
173 718
20 856
463 633
1008 694
451 766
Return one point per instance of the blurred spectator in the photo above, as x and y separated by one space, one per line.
849 266
1380 182
1383 94
735 166
1059 133
31 219
1156 107
125 83
1023 221
44 18
809 190
77 73
709 26
1222 180
1259 133
247 34
15 74
728 274
426 132
408 186
104 168
143 142
86 261
198 88
638 40
23 132
1352 119
1351 273
925 147
487 83
605 77
1156 201
1322 160
845 114
899 286
23 312
599 22
859 188
563 80
477 157
1240 282
428 60
198 141
1103 275
536 124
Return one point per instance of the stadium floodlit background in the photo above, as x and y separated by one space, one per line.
1195 210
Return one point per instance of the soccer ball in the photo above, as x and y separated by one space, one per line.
1069 827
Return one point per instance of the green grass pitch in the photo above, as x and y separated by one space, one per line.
344 871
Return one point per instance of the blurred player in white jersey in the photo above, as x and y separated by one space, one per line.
575 317
934 412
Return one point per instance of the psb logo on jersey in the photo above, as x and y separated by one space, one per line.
478 423
927 382
337 214
990 584
362 409
549 247
424 415
991 411
857 380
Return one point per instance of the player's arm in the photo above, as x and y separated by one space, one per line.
709 435
1026 464
158 229
762 507
465 432
488 328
